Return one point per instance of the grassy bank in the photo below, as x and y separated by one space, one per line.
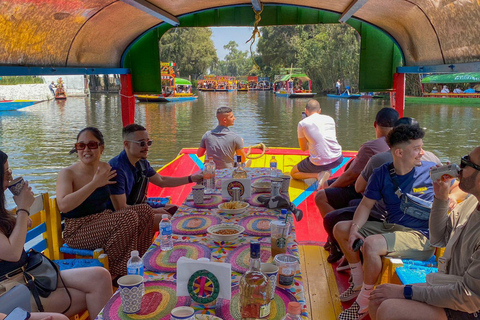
10 81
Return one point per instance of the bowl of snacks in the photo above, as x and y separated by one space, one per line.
233 207
262 186
225 232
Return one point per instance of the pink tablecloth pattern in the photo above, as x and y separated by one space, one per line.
220 250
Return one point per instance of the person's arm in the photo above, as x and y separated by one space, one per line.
165 182
201 151
360 184
241 152
346 179
67 199
11 247
303 143
359 218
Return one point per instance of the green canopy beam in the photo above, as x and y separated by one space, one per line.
467 77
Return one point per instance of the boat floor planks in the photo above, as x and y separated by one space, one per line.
321 291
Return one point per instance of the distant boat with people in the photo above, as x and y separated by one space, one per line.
181 91
292 86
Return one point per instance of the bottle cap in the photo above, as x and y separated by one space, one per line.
164 216
134 253
283 211
294 307
254 249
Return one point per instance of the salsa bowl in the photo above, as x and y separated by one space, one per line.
225 232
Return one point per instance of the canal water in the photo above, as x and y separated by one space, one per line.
38 138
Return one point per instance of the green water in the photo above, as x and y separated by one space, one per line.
38 138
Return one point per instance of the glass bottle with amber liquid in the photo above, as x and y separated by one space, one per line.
254 288
238 171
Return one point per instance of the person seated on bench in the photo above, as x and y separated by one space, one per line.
90 288
82 196
453 292
401 234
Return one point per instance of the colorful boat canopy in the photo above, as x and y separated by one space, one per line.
466 77
300 76
184 82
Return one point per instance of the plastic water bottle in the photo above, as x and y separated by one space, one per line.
209 176
166 242
283 214
135 264
294 309
273 166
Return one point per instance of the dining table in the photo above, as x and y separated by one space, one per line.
191 240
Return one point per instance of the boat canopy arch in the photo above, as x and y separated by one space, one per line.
300 76
465 77
89 34
182 82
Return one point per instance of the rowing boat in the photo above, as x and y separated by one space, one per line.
344 96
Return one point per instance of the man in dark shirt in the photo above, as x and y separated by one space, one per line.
131 164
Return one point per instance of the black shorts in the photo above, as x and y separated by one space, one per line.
307 166
340 197
461 315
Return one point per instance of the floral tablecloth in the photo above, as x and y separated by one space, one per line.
220 250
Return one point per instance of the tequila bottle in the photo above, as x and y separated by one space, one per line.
255 291
238 171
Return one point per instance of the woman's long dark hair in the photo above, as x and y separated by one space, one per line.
7 220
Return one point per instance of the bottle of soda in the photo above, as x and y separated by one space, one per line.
294 309
135 264
166 242
273 166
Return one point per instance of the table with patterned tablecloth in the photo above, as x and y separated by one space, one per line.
191 243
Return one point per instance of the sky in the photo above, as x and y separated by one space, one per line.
223 35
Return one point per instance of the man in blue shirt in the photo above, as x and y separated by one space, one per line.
401 235
134 171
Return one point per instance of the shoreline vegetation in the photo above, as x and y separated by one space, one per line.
14 80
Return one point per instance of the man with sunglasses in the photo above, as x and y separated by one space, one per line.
134 171
453 292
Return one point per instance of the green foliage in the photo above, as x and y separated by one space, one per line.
236 63
326 53
192 50
13 80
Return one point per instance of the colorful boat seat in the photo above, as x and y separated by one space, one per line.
410 273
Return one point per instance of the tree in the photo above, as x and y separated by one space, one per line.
192 50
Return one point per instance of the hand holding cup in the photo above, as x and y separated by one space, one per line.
23 197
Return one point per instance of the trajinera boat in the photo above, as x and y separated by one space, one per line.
181 91
292 86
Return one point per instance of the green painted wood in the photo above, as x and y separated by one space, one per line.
379 56
457 101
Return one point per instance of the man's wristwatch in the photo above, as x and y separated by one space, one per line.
408 292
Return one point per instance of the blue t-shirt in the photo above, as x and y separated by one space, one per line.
126 174
417 182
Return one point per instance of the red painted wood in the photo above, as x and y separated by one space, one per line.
399 87
127 99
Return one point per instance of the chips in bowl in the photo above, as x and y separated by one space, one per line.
262 186
233 207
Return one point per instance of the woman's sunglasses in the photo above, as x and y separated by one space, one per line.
142 143
91 145
465 161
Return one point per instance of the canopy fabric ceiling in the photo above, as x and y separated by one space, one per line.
466 77
96 33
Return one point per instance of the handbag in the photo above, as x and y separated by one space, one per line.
41 277
410 204
139 190
18 296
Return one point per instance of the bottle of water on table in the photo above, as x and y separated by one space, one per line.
135 265
209 176
273 166
166 242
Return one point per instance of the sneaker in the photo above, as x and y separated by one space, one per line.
335 254
350 293
343 265
353 313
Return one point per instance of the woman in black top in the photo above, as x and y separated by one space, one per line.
90 288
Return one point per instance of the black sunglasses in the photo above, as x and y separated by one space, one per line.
142 143
91 145
465 161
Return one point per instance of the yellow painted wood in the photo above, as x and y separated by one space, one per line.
388 274
321 291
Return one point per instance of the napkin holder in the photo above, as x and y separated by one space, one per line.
245 186
214 276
